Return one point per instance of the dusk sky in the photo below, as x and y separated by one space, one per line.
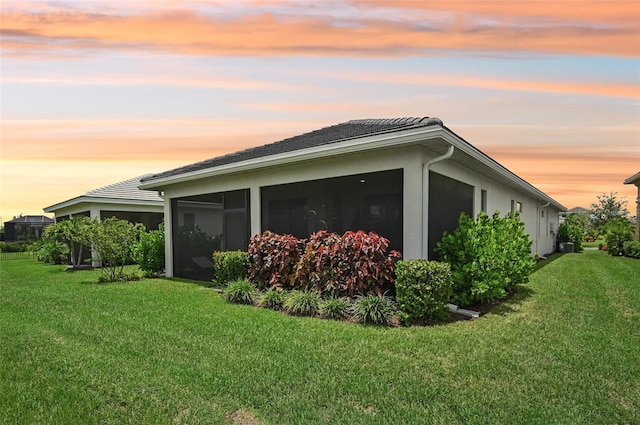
96 92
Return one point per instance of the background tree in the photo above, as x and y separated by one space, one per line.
74 233
113 240
606 209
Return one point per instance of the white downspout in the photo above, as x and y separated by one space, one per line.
540 207
425 199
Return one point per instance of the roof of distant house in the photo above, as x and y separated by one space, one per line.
122 192
31 219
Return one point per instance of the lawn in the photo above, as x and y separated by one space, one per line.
564 350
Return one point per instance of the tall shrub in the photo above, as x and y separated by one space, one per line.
273 259
488 257
570 232
148 252
422 289
618 232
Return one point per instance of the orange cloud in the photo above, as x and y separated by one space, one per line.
189 32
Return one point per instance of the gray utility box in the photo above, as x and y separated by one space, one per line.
567 247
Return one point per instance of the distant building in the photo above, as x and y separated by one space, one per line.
27 228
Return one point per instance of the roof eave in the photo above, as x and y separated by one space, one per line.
400 138
377 141
635 179
100 200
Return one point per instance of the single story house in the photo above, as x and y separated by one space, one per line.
635 180
26 228
407 179
122 200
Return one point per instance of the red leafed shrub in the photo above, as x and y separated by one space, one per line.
319 266
356 262
273 260
366 265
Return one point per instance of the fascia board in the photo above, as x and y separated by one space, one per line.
405 137
99 200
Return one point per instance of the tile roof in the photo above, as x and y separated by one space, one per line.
127 189
336 133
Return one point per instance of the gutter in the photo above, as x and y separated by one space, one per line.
425 198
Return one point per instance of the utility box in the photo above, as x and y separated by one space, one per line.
567 247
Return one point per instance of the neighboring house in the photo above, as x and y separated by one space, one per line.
122 200
635 180
26 228
407 179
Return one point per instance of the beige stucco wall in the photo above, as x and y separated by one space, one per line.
411 160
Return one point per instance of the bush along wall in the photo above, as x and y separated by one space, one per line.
343 266
229 266
273 259
423 288
333 265
488 257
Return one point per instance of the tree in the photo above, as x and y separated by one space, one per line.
73 232
606 209
113 240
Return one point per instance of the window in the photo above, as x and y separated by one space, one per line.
519 207
483 200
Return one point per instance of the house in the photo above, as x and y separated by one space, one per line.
407 179
122 200
635 180
26 228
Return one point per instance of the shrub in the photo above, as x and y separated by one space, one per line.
230 265
113 240
53 252
319 266
13 247
422 289
631 249
273 259
618 232
272 299
148 252
302 303
357 262
570 232
373 309
336 308
488 257
240 292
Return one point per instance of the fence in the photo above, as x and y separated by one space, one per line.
17 256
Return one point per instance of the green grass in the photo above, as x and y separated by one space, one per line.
564 350
593 244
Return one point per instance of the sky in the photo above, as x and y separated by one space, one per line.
96 92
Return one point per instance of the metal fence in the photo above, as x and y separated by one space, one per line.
17 256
